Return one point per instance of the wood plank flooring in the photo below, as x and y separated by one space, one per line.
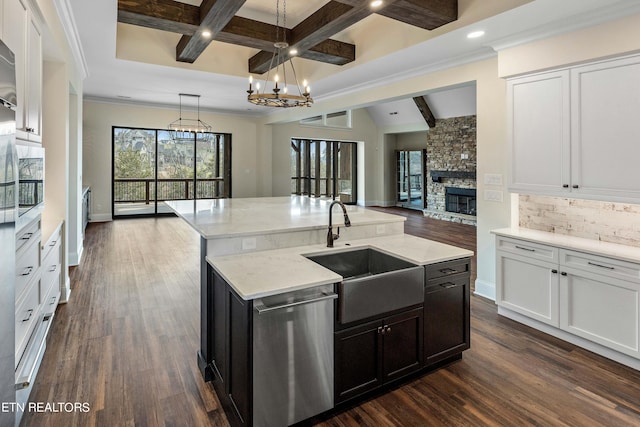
126 343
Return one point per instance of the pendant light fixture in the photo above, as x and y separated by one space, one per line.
274 92
183 129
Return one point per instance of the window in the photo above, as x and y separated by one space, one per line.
324 168
339 119
150 168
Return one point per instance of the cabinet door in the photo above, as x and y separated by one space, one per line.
15 22
539 130
605 133
601 309
402 344
446 318
33 105
238 387
528 286
358 360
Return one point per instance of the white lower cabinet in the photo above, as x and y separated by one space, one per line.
586 295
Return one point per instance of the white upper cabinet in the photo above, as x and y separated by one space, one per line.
22 35
540 134
573 134
606 137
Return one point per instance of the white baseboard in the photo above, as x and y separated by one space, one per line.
485 289
104 217
75 257
65 292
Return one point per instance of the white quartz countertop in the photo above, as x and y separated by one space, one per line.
259 274
265 215
580 244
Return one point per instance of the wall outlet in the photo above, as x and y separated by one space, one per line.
464 156
493 178
248 243
380 229
493 195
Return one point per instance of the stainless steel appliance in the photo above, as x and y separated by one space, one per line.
8 214
293 356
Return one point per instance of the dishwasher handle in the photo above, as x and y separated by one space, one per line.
261 308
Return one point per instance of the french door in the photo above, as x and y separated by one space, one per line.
411 192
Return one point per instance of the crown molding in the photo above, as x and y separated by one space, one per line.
562 26
71 31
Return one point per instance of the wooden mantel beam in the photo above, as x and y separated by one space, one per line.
422 105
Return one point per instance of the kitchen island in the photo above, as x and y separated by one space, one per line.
273 325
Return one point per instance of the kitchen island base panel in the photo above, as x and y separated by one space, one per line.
288 239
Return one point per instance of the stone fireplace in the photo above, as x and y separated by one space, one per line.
451 170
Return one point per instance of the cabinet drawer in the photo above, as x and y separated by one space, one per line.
600 265
27 267
27 235
51 267
26 314
528 249
52 245
448 268
49 297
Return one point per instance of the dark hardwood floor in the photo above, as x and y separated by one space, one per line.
126 344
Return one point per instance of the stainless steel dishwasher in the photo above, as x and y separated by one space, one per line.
293 356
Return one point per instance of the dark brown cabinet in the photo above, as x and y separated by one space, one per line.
446 310
374 353
230 335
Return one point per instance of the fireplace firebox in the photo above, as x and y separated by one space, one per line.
460 200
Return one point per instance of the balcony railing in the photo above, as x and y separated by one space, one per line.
137 190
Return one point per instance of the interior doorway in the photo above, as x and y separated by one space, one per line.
411 192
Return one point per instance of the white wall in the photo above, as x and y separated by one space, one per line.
411 141
99 118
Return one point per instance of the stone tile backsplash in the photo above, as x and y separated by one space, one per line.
590 219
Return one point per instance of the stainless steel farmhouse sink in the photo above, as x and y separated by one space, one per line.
373 282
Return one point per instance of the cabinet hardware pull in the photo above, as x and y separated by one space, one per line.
27 236
29 130
53 301
563 273
388 328
27 271
576 186
447 270
525 249
53 268
381 330
52 244
565 185
554 271
30 311
448 285
601 266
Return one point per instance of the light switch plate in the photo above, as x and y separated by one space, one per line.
493 195
493 178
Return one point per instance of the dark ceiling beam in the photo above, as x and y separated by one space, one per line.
166 15
422 105
214 16
169 15
330 19
427 14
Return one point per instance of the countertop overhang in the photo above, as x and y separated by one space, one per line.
260 274
215 218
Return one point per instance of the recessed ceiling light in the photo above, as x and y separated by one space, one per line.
375 3
293 52
475 34
206 34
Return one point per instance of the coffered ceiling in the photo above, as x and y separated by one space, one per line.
140 63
